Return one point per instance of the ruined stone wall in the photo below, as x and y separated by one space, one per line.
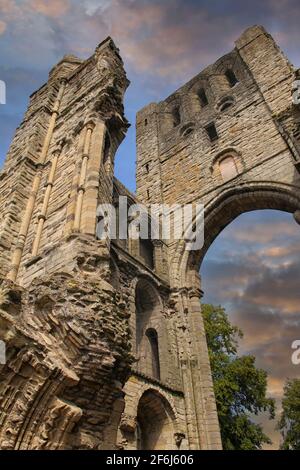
123 429
75 311
181 158
184 153
68 354
19 169
68 344
247 97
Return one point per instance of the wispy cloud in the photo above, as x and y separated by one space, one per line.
164 43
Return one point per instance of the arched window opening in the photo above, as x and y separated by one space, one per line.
153 340
226 103
148 324
231 77
176 116
202 97
228 168
211 132
187 129
155 420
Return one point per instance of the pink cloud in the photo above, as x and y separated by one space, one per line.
265 232
54 9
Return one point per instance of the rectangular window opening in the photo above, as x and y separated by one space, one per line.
203 98
212 132
231 77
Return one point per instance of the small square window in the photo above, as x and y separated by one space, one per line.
212 132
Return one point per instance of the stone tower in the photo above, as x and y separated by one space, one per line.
105 343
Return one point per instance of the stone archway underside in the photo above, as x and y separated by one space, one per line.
223 210
156 428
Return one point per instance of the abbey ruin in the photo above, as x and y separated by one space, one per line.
105 344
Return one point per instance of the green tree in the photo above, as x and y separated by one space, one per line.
289 423
240 388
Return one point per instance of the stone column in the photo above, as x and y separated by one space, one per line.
179 303
17 255
160 263
206 411
74 188
219 85
90 202
133 242
43 214
82 178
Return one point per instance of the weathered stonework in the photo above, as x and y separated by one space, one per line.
105 340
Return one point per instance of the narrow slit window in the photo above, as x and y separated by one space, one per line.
202 98
231 77
212 132
107 146
176 116
153 340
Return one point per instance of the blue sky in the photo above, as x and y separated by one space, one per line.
163 44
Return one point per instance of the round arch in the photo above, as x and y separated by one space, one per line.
156 422
147 315
221 211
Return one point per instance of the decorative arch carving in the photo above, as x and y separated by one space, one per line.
226 165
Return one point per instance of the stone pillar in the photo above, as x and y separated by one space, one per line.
17 255
90 202
269 67
160 263
133 242
43 213
184 352
82 178
219 85
206 411
74 188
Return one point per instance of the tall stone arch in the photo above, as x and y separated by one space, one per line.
155 422
252 122
223 209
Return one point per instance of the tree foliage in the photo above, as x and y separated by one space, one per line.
240 388
289 423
